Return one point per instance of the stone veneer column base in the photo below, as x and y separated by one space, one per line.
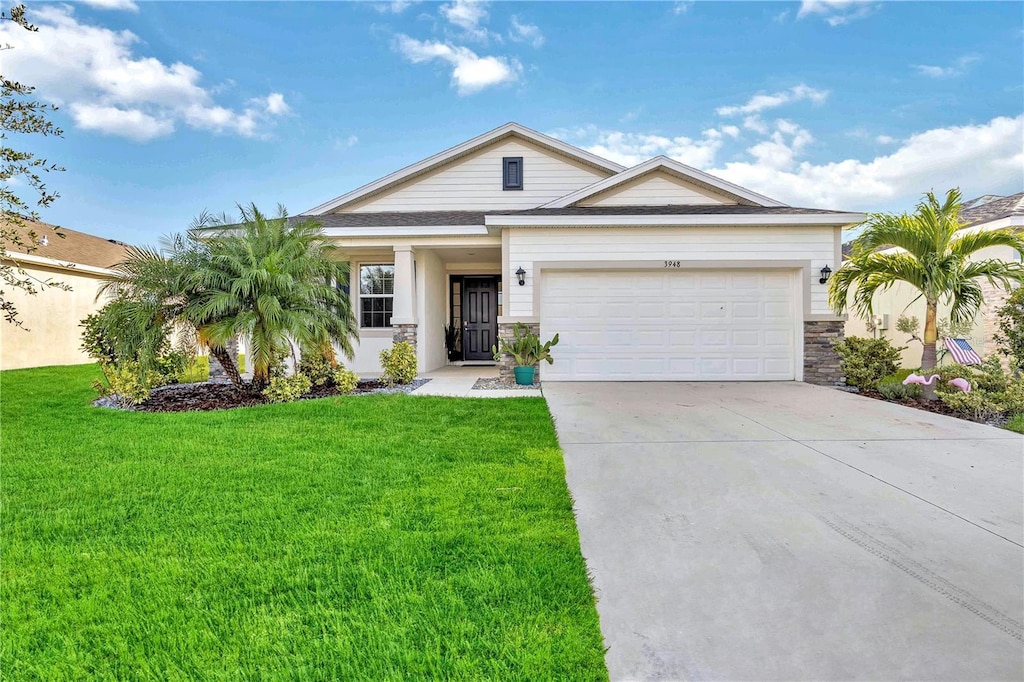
507 331
217 373
821 363
404 332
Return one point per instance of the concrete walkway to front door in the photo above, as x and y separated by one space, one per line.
457 382
780 531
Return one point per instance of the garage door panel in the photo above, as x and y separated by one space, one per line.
672 325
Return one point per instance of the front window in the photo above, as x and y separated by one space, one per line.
376 295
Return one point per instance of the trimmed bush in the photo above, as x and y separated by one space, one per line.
986 377
894 389
287 389
865 362
345 380
978 405
399 363
318 367
124 383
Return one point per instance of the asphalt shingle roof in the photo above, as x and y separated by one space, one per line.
981 211
74 247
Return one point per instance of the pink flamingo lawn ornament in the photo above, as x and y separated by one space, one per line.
962 384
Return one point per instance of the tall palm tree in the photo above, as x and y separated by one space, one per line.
274 282
929 251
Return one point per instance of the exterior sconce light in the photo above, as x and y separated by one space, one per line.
825 272
521 274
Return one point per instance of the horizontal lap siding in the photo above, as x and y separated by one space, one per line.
527 245
653 190
474 183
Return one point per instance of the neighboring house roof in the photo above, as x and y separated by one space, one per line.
449 155
75 247
440 218
990 207
672 167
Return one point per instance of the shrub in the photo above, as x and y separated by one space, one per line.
287 389
318 367
866 361
894 389
986 377
1014 397
399 363
1010 334
172 367
979 405
124 383
345 380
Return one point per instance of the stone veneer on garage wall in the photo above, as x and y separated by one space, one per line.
507 331
404 332
821 363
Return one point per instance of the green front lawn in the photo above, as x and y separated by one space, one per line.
372 537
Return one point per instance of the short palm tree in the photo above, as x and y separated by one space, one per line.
274 282
929 251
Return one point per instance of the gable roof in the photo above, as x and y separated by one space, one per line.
447 156
674 168
75 247
990 207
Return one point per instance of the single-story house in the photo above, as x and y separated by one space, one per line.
989 212
655 272
51 334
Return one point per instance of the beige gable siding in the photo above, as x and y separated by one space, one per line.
474 183
656 189
656 244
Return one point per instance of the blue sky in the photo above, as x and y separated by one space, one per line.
172 108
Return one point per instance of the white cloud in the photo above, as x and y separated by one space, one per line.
978 158
761 102
471 73
93 70
682 6
342 143
468 15
630 149
957 68
885 139
394 7
837 12
128 5
525 33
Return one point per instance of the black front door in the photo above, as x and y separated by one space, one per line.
479 317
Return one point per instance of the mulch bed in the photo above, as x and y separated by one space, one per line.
936 406
205 396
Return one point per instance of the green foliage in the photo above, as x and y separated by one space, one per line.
894 389
979 405
988 376
525 347
865 362
399 363
124 382
947 329
22 171
345 380
369 538
318 367
287 389
1010 333
1015 423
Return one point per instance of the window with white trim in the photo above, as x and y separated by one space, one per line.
376 295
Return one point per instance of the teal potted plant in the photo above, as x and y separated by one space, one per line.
526 351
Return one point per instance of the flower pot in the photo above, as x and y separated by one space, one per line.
524 375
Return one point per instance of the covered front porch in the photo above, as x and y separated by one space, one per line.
443 298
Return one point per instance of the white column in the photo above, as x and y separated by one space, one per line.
404 306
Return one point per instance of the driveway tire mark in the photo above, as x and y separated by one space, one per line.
925 576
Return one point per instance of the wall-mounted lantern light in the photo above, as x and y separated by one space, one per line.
825 272
521 274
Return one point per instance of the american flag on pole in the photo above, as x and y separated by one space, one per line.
962 351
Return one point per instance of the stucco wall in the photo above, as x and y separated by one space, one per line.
52 319
432 299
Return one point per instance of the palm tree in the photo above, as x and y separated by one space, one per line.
275 283
930 252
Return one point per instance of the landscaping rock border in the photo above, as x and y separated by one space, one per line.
499 384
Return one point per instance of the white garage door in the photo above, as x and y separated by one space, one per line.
670 325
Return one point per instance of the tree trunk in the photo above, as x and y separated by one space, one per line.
928 353
228 363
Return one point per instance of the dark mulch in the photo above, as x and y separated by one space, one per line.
936 406
205 397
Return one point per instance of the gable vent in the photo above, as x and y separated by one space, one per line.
512 172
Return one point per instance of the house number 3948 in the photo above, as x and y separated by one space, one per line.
673 264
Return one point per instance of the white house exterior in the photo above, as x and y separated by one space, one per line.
656 272
982 214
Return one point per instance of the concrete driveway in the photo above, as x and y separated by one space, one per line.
753 531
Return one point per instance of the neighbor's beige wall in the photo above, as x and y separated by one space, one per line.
52 319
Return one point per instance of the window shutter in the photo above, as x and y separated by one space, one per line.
512 172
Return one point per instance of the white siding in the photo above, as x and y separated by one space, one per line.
655 189
526 245
474 183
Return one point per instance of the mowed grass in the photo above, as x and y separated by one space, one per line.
373 537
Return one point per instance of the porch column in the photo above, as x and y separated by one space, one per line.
403 312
